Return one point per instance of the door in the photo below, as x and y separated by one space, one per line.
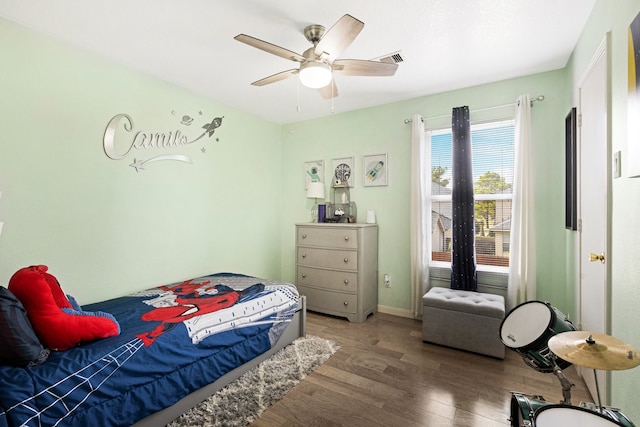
593 123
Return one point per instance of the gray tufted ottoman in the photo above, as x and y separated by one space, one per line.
463 319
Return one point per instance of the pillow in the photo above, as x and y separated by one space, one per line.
19 344
58 325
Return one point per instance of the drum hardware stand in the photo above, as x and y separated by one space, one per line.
591 342
564 382
595 376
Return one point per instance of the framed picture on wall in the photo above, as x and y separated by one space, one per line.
633 99
571 204
342 171
313 172
375 170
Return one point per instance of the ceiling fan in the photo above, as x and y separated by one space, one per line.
318 63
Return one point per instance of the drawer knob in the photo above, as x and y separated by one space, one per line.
304 275
346 260
346 238
346 303
304 255
346 281
304 236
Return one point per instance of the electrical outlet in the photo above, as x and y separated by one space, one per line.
387 280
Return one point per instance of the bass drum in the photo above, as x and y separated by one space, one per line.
567 416
527 329
523 408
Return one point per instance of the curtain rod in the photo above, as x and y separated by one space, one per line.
539 98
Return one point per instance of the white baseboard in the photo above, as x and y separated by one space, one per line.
395 311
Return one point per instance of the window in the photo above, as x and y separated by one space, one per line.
493 170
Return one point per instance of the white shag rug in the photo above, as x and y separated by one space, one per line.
242 401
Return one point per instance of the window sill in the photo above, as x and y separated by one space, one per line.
479 268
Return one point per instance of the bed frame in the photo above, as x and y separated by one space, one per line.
296 329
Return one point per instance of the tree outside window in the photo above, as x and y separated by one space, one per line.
493 155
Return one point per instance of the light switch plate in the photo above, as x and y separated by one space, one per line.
617 165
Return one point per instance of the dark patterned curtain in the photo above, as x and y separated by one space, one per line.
463 254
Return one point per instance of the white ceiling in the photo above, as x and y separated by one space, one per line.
446 44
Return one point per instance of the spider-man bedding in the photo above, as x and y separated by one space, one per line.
174 340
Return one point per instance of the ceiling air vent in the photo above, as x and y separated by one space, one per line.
392 58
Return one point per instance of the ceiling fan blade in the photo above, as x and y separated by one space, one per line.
338 38
270 48
329 91
361 67
276 77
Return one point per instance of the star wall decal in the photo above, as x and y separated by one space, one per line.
137 164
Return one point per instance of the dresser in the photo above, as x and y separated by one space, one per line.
337 268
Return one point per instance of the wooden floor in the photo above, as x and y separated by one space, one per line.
384 375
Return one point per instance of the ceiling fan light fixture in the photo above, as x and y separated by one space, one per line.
315 74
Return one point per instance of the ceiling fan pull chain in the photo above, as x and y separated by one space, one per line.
298 87
332 98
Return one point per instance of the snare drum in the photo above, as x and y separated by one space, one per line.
523 409
527 329
562 415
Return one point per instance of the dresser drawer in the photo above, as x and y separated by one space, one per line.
328 279
331 302
328 258
328 237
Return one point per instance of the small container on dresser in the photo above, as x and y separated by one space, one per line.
337 268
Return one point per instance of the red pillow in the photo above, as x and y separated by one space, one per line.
58 325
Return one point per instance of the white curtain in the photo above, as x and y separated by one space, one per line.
420 219
522 263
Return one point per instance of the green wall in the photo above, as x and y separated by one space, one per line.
67 205
102 228
382 130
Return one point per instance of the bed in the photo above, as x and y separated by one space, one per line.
176 347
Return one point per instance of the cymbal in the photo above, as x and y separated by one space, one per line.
594 350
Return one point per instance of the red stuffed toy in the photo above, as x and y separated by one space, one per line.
59 323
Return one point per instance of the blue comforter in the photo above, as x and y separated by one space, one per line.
174 340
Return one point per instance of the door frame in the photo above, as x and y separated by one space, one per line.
603 52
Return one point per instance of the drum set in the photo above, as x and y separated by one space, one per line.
548 342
